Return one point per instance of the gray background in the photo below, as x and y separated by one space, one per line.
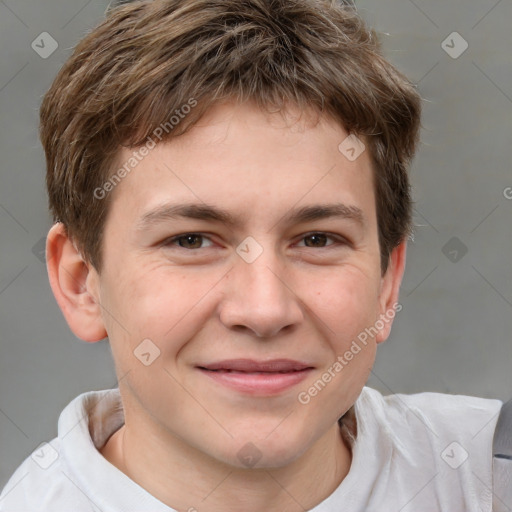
453 334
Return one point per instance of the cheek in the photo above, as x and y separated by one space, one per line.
344 299
343 305
154 314
166 305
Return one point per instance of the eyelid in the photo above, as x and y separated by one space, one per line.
170 242
337 239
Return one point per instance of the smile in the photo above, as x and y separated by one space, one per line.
262 378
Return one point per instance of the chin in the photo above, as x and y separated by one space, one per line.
270 453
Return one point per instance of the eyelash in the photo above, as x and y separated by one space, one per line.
338 240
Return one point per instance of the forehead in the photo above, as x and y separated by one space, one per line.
250 164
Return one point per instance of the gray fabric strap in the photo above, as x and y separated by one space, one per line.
502 461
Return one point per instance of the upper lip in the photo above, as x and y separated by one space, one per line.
250 365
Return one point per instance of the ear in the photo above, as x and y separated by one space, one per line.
389 290
75 285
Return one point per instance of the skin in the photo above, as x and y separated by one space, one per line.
303 298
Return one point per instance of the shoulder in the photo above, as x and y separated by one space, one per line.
41 483
444 414
447 438
53 478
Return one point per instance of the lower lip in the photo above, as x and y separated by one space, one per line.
258 383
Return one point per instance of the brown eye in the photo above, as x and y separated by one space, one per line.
190 241
316 240
187 241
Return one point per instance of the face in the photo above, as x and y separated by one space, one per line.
241 261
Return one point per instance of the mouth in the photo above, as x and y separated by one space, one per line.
257 377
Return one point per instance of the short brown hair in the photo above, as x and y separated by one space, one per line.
149 58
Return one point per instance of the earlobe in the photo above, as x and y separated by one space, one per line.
390 289
75 286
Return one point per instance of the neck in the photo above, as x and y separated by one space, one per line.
207 485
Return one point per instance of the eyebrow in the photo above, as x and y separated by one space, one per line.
167 212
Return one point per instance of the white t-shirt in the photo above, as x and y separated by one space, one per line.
427 452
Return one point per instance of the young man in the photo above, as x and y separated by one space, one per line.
229 185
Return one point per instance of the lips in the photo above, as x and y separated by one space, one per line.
261 378
250 366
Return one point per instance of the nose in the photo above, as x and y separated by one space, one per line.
259 298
